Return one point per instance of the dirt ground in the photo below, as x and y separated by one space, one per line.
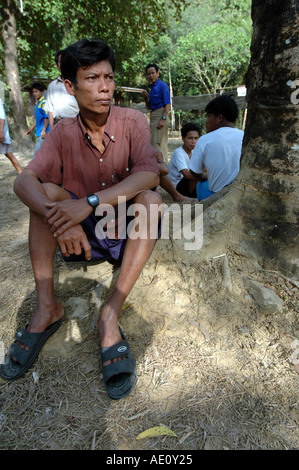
212 367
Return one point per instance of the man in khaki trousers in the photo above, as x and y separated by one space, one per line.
158 101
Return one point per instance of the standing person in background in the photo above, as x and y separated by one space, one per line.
158 102
59 103
5 139
41 120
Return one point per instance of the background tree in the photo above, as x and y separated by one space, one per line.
9 34
210 60
270 150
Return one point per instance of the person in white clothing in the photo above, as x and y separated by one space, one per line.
218 151
5 140
59 103
179 173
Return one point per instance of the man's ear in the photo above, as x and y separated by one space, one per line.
69 86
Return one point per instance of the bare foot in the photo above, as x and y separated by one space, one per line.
40 321
108 330
44 317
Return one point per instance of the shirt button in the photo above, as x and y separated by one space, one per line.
103 184
101 159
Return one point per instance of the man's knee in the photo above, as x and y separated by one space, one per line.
55 192
149 198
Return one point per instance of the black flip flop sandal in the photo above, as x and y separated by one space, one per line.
18 360
119 377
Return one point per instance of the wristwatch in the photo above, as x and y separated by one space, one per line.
164 117
93 200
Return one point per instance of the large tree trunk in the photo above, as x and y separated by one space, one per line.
270 212
258 216
9 32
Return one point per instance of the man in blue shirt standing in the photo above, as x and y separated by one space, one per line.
41 121
158 101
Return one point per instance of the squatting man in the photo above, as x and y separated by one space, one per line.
85 163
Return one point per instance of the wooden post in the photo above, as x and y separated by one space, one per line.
171 97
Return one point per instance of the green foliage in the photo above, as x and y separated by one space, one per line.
208 48
213 59
45 26
204 44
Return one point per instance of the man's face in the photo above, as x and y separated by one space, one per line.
152 75
37 93
190 139
213 121
94 89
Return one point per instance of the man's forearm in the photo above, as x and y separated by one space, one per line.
67 213
129 188
51 119
2 122
199 176
166 110
46 122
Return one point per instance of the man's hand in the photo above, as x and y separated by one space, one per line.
66 214
43 134
161 123
2 138
73 240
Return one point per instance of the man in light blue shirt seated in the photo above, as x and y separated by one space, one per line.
215 161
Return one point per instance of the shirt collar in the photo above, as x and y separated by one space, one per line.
109 133
156 82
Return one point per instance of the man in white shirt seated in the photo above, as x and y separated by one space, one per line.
59 103
179 173
218 151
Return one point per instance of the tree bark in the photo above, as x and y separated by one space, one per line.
258 217
9 32
270 212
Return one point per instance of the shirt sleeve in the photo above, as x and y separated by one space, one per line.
47 163
49 103
179 160
43 110
196 162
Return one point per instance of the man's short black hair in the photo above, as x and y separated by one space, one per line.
190 126
224 105
38 86
82 54
150 66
